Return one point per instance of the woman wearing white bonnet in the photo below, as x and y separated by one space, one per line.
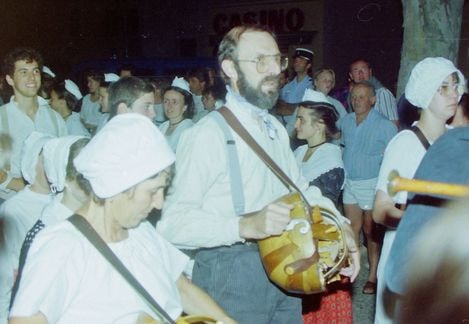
125 168
58 155
62 176
179 108
435 85
65 99
19 213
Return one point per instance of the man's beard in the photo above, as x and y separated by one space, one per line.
256 96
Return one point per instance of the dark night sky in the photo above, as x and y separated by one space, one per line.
66 32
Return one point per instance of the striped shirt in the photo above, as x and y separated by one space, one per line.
364 144
386 104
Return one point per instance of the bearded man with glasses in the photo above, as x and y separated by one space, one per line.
221 202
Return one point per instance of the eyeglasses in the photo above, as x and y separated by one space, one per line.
445 89
263 62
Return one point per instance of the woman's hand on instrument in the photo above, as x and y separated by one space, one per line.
354 268
271 220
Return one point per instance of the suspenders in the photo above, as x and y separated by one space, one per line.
237 192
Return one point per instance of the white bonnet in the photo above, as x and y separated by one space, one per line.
181 83
128 150
315 96
31 149
72 87
111 77
55 153
425 79
48 71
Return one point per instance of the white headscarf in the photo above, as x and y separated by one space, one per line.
111 77
31 149
315 96
181 83
128 150
46 70
425 79
72 87
55 155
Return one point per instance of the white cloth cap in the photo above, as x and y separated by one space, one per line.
128 150
31 149
315 96
111 77
425 79
46 70
181 83
55 155
71 87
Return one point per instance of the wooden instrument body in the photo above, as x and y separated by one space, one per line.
309 254
188 319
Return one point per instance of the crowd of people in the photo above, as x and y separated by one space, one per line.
105 160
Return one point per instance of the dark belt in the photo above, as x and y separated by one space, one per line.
248 244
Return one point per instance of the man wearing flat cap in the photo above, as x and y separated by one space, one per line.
293 92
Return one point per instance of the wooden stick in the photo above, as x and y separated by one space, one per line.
397 183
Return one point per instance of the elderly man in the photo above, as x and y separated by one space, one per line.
360 71
365 135
219 216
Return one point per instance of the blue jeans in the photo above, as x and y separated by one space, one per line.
235 278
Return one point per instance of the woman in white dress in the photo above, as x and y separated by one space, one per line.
64 99
321 164
179 109
435 86
320 161
125 168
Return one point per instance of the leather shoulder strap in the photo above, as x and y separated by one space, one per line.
251 142
421 137
88 231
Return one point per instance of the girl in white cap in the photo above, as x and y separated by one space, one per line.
125 168
178 108
58 155
64 99
19 213
435 86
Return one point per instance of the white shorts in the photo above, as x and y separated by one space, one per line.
361 192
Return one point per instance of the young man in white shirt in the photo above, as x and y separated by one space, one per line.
26 112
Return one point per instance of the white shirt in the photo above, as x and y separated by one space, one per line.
75 126
55 212
20 126
403 154
328 156
102 120
199 210
18 214
198 104
69 281
173 139
89 112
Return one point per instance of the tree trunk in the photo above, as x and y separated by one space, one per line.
431 28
